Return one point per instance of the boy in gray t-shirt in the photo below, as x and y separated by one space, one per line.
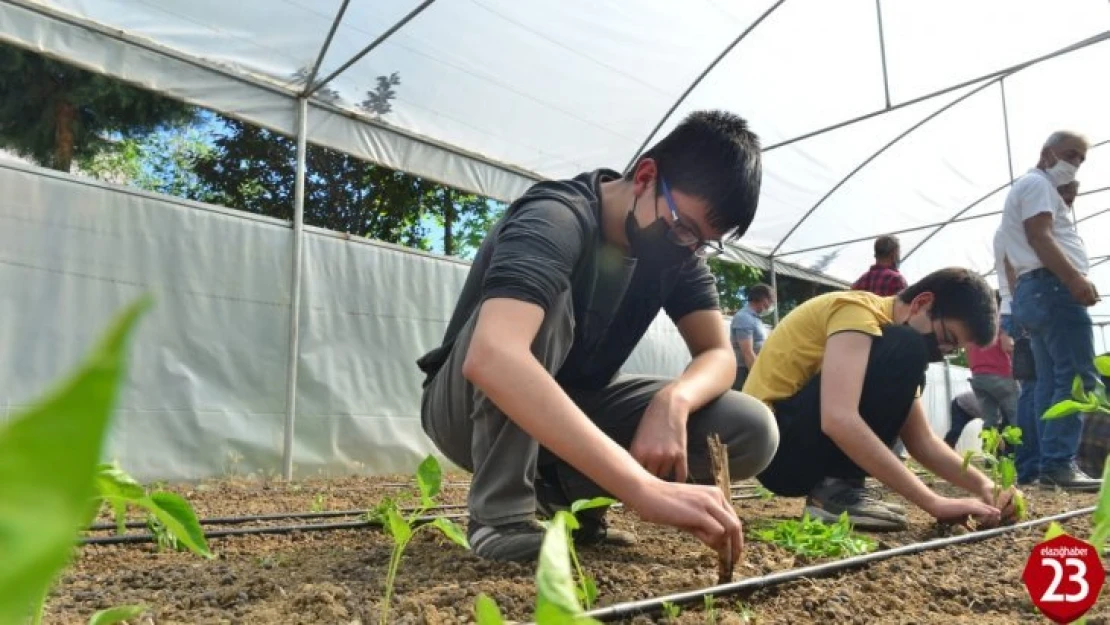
748 332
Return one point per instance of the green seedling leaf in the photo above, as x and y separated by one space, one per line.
1077 391
178 517
1007 473
429 479
1012 435
1054 530
47 488
967 458
118 614
113 481
1102 363
555 589
1101 516
452 531
1019 506
1063 409
588 590
486 611
398 527
591 504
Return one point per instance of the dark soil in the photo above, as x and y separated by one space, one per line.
338 577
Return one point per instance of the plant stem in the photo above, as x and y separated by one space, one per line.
578 568
391 575
36 618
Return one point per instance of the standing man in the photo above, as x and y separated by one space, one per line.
843 374
748 331
1051 297
524 391
883 278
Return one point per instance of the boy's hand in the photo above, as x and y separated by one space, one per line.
660 441
949 510
700 510
1005 502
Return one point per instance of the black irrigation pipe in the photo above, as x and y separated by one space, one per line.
648 606
279 516
277 529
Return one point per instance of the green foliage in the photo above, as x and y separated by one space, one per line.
429 478
1102 364
172 519
763 492
1000 468
160 162
811 538
254 170
49 490
1100 520
670 611
486 611
731 280
53 113
118 614
1082 400
710 606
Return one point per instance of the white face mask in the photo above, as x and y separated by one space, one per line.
1061 173
769 312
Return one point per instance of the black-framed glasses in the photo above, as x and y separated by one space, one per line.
686 235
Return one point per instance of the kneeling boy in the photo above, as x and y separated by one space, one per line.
843 374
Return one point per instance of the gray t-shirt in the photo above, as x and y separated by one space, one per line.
747 325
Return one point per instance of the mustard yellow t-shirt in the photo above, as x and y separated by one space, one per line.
793 352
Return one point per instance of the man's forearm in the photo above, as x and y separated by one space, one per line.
709 374
936 456
519 385
1053 258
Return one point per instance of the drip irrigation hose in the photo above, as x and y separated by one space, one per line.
277 529
647 606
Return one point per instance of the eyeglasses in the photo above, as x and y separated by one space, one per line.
684 235
947 339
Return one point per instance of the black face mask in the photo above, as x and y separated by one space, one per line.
652 248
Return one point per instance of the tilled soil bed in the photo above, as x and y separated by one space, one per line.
338 576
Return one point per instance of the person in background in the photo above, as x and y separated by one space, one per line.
964 410
843 374
1051 294
883 278
748 331
992 380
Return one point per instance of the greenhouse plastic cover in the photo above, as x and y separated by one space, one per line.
206 383
953 99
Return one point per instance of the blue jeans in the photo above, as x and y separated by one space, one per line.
1028 456
1063 346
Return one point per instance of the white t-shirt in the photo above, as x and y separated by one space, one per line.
1032 194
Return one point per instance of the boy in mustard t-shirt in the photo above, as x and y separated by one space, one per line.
844 373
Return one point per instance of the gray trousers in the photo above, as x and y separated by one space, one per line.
474 434
998 396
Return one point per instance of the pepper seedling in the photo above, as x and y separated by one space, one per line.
1001 470
1083 400
429 480
810 537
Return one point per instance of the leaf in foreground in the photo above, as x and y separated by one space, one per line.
486 611
178 517
47 489
118 614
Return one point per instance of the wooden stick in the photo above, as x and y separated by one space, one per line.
718 455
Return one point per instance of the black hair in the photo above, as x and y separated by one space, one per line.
886 245
961 295
759 292
713 156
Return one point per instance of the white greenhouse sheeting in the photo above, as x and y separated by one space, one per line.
494 94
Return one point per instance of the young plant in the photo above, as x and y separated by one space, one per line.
811 538
170 519
586 587
763 492
671 611
558 598
1001 468
48 490
1083 400
429 479
710 609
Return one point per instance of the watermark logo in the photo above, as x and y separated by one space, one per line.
1064 577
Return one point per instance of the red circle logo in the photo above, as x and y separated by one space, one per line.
1064 577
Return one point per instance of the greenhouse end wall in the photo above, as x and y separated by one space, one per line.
205 395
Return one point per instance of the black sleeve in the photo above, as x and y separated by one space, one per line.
535 253
695 290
